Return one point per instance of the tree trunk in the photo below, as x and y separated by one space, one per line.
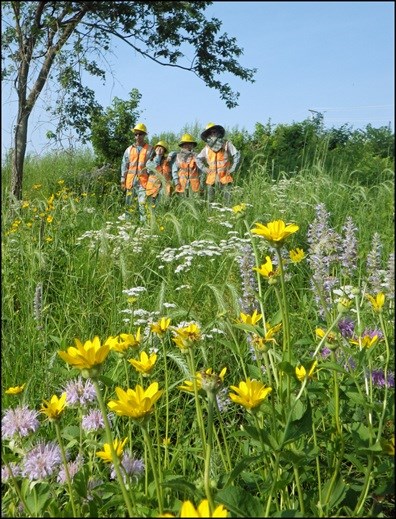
18 155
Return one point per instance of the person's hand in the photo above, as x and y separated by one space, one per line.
123 188
159 150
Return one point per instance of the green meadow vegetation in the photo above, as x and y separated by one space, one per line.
215 362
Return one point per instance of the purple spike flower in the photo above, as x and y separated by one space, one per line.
346 327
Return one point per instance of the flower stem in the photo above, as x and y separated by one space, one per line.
209 446
148 443
166 457
275 476
387 358
197 404
260 290
127 385
116 461
68 479
18 490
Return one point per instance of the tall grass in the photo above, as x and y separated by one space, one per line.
74 267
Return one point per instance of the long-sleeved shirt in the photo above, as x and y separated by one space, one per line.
125 161
235 155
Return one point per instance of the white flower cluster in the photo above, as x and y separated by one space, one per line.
185 254
118 236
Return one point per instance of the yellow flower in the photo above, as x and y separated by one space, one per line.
87 355
297 255
55 407
25 204
124 341
135 403
206 377
15 390
250 393
203 510
186 336
182 343
105 454
189 385
377 302
302 373
344 304
146 363
275 232
269 335
239 208
365 341
331 337
49 218
251 319
260 342
266 269
161 326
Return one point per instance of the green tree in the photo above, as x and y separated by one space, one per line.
45 40
111 129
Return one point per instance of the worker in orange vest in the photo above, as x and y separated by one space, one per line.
134 174
185 172
160 174
218 160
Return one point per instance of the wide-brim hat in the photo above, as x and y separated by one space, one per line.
210 127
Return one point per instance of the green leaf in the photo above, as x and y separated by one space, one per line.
298 428
332 366
240 502
180 483
38 498
107 381
369 450
253 371
245 462
262 435
337 493
71 432
287 368
356 398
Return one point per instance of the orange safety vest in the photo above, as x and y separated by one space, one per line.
154 183
137 163
218 166
188 174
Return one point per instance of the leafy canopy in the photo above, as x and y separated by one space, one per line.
79 34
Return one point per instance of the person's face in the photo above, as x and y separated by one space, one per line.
159 150
187 146
213 133
139 138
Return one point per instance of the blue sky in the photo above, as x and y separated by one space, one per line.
333 57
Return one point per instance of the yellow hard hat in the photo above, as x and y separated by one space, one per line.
187 138
163 144
140 127
210 127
